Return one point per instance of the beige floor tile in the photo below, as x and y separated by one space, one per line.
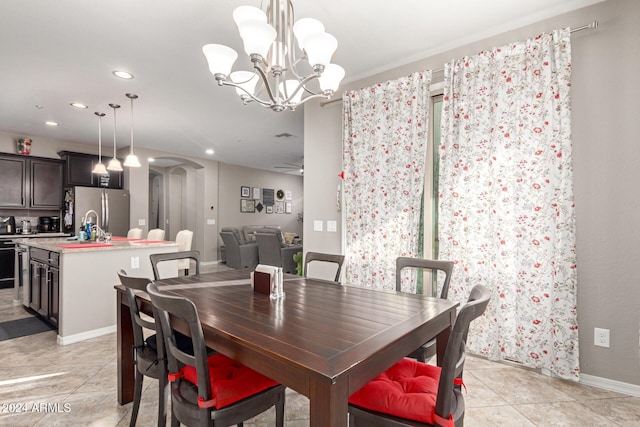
493 416
519 386
623 411
477 394
565 414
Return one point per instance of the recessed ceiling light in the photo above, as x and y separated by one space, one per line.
79 105
50 123
123 75
209 151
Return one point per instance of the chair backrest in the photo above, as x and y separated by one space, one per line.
322 257
167 307
133 284
454 356
173 256
434 265
184 238
135 233
156 234
269 249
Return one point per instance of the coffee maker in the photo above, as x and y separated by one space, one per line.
49 224
7 225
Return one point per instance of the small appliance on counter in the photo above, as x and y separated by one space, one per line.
49 224
7 225
26 227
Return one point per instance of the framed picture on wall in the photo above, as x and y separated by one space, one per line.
247 206
245 192
287 195
279 206
268 209
287 207
256 193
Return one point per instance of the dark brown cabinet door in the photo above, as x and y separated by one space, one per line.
79 167
54 295
46 184
79 170
13 182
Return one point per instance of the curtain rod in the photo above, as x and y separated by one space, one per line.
591 26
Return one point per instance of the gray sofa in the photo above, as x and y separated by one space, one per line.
239 253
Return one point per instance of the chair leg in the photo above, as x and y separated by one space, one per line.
137 394
280 411
163 394
174 420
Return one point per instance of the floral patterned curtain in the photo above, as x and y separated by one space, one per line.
385 139
506 215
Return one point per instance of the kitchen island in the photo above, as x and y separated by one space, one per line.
71 283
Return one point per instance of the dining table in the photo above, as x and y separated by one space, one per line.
322 339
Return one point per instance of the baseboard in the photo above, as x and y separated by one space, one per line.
70 339
204 264
611 385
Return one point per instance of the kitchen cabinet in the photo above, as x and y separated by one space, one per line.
30 182
78 167
44 284
13 178
46 184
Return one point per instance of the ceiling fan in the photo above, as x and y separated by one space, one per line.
291 167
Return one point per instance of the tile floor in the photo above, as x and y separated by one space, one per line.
44 384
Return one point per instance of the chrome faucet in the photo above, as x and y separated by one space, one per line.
99 232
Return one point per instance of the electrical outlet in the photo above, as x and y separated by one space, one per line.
135 262
601 337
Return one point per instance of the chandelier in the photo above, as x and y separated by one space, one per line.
284 75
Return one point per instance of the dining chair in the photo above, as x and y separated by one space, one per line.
413 393
155 234
427 350
326 258
210 390
148 354
184 239
134 233
173 256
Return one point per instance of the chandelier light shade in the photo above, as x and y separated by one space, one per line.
291 61
114 163
132 160
99 167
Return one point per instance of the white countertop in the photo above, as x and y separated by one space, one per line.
54 245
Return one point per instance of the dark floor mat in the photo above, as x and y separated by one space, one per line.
23 327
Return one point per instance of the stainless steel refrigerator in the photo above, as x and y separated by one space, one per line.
111 205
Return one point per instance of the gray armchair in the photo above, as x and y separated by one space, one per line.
240 254
273 251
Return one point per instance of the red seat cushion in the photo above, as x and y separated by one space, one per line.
408 390
231 381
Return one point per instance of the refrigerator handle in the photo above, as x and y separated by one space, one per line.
106 208
102 210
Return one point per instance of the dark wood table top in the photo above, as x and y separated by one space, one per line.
323 340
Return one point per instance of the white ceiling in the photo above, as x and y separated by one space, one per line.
57 52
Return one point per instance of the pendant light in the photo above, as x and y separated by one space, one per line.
132 159
99 168
114 164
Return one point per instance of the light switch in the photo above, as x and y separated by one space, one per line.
332 226
142 221
135 262
211 222
317 225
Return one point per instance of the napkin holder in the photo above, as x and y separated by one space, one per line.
262 282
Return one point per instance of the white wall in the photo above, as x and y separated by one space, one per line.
606 90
